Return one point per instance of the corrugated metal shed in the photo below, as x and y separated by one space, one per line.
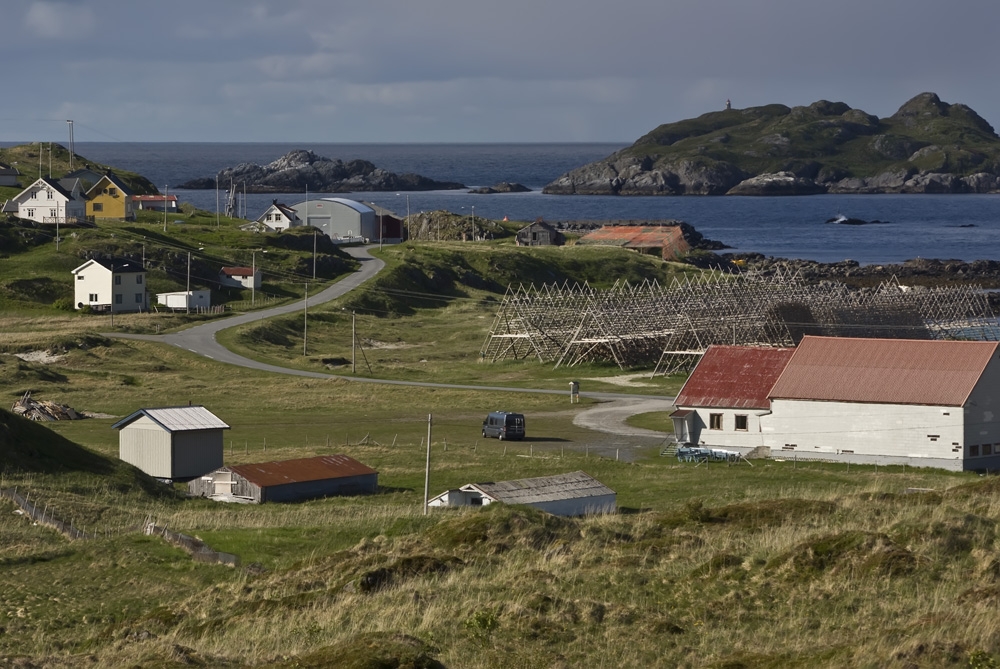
177 419
237 271
543 489
737 377
281 472
889 371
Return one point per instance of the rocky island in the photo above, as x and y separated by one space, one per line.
927 146
299 170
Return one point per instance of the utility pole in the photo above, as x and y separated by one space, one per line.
305 320
187 296
72 145
166 187
380 227
354 341
253 277
216 200
314 253
427 467
407 215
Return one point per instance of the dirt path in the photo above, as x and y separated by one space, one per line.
610 417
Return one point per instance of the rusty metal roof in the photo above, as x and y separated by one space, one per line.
177 419
638 237
543 489
237 271
265 474
737 377
889 371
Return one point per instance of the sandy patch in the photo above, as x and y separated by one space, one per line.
43 357
373 344
626 380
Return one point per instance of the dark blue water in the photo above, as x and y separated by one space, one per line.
964 227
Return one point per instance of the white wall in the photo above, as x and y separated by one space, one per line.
894 430
700 432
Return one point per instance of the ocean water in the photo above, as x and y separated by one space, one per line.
963 227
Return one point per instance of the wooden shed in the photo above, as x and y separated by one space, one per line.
172 443
540 233
573 494
288 480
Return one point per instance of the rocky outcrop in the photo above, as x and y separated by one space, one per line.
927 146
624 174
502 187
299 170
782 183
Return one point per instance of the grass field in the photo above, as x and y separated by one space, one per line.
767 564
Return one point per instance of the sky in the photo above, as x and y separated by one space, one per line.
414 71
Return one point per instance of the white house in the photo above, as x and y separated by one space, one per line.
279 217
174 443
114 285
47 201
888 401
727 393
240 277
573 494
339 218
155 202
190 299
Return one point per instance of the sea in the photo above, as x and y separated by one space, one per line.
960 227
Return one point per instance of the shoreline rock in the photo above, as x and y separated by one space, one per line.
299 170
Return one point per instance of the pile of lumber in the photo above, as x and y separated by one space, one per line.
42 410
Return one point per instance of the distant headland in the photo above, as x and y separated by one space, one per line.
300 170
927 146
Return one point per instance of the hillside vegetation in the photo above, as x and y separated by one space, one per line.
926 146
43 159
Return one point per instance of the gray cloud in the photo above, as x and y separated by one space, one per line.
444 70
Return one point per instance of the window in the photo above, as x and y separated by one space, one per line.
741 422
987 449
113 192
138 279
30 213
52 213
974 451
93 297
98 206
138 298
715 421
34 195
118 299
48 195
118 279
79 277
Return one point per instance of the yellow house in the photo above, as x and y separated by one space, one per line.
110 198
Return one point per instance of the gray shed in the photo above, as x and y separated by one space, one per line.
573 494
540 233
175 443
288 480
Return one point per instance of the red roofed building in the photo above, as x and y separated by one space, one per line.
886 401
240 277
288 480
156 202
728 393
667 240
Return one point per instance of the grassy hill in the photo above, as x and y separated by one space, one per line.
779 564
833 136
42 159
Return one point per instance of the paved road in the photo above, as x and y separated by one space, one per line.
201 339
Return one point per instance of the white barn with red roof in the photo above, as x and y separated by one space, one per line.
891 401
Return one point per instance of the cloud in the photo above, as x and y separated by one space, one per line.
59 20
